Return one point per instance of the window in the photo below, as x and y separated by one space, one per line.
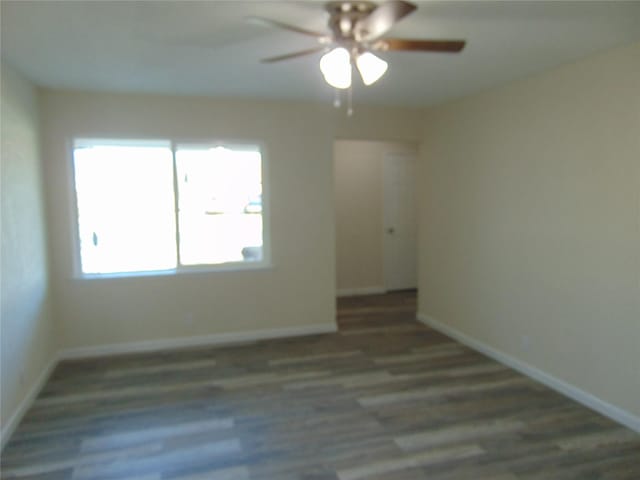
153 206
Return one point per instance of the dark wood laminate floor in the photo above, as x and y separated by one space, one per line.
385 398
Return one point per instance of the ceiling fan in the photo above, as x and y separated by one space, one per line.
356 29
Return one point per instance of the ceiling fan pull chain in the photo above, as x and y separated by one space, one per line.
350 101
336 98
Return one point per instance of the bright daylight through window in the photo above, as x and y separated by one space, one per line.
145 207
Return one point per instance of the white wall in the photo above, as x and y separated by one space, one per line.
530 222
359 197
299 291
26 326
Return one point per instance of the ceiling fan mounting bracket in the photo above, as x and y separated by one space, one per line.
344 15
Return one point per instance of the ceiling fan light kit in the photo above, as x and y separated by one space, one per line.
336 68
356 31
371 68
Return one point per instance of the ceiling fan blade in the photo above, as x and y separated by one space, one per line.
446 46
379 21
292 28
293 55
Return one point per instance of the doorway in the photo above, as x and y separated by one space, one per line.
375 212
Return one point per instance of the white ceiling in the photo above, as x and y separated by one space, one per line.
206 48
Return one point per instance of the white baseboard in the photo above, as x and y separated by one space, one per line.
26 402
587 399
352 292
199 341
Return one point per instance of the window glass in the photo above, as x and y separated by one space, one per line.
125 202
220 204
126 195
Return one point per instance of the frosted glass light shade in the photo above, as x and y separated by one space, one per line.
371 68
336 68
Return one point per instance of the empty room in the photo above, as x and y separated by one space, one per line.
311 240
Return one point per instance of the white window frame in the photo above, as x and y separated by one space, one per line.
263 264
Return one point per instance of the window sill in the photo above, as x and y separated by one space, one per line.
197 270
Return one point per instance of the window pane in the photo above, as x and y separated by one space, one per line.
220 205
126 216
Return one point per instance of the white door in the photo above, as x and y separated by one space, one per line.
400 222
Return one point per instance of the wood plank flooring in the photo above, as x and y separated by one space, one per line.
384 398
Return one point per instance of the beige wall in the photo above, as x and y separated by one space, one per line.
26 327
358 190
530 222
298 291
